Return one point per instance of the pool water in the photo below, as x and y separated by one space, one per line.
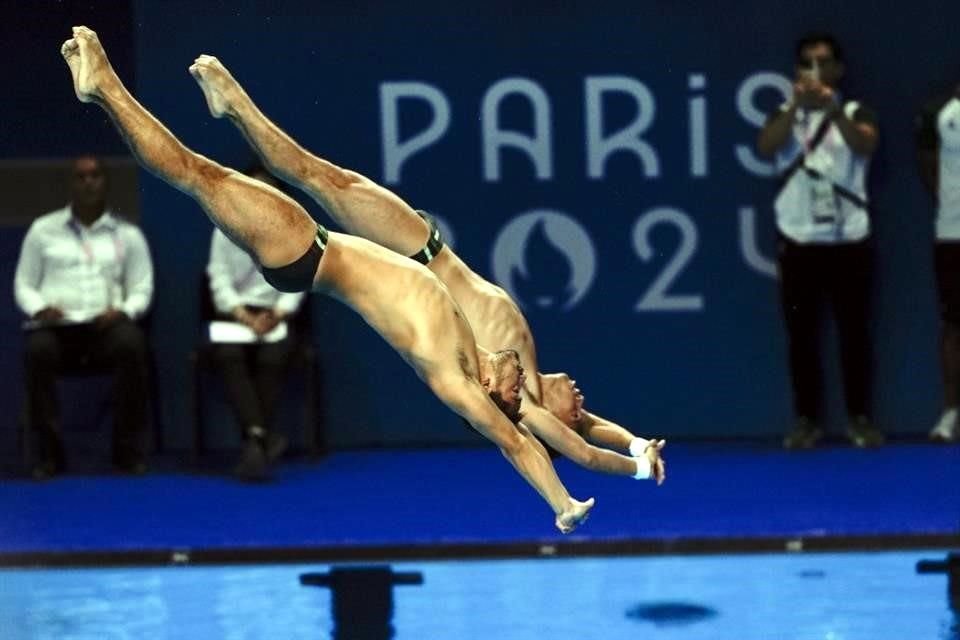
815 596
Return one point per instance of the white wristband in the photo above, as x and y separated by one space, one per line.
638 446
643 468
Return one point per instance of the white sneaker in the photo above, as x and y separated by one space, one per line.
947 429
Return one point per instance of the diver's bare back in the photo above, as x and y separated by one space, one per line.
404 302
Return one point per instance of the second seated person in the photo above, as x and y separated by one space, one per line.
253 372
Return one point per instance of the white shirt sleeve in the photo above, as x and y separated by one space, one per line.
138 274
26 281
225 296
288 303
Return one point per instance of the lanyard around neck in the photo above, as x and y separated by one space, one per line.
83 238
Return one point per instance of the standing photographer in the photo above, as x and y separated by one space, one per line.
821 145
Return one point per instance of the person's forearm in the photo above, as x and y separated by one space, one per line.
606 433
139 289
539 472
776 132
29 300
288 303
219 278
859 136
225 299
27 277
607 461
572 446
469 400
136 305
534 442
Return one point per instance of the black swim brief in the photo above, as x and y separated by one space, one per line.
434 241
298 275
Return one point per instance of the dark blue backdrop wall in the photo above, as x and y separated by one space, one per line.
595 161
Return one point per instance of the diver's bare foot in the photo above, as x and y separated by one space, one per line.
87 61
219 88
576 513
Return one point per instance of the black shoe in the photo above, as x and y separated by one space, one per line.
275 446
54 460
863 433
44 470
132 467
253 465
129 463
804 435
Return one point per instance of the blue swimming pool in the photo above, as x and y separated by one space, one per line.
804 596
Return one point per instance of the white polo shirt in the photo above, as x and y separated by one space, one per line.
808 208
939 130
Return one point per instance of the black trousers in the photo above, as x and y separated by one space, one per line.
839 277
253 375
120 348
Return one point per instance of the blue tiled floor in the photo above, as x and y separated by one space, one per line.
473 496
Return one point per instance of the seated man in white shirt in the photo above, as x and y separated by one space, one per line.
84 276
252 372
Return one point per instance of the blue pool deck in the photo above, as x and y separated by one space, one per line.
745 541
469 501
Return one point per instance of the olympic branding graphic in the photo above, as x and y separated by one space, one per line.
544 259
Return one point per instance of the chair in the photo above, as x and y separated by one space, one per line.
303 357
87 369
